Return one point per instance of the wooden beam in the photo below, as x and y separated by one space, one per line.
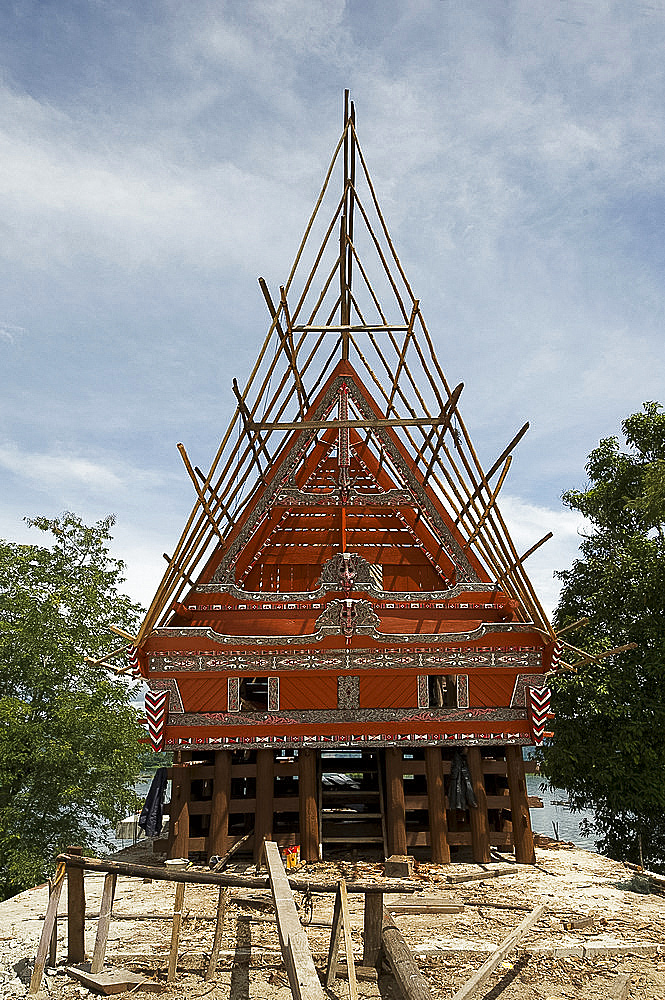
488 967
48 928
303 977
436 802
219 810
372 923
396 812
161 874
105 908
263 816
411 981
179 817
308 812
175 931
302 425
341 923
75 911
478 819
362 328
219 929
519 807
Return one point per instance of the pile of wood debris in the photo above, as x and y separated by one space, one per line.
600 933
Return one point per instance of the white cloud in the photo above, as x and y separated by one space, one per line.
49 470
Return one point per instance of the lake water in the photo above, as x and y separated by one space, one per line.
554 812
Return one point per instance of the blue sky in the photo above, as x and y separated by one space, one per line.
156 158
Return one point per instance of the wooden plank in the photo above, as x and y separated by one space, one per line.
111 981
75 911
372 924
303 977
48 928
478 819
105 908
413 984
175 931
219 930
519 807
488 967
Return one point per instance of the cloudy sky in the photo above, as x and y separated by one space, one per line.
157 157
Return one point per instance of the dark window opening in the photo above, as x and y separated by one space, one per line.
254 694
442 690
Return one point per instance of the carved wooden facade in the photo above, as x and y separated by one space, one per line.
346 580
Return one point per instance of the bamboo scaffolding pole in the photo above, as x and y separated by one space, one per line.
595 657
121 650
312 217
123 634
221 507
199 491
573 625
528 552
287 342
490 503
303 403
317 260
407 338
166 556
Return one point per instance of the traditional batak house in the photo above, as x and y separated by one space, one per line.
345 628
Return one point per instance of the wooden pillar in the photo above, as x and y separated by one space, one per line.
179 815
75 912
478 818
218 838
436 804
372 924
309 821
519 807
263 816
396 812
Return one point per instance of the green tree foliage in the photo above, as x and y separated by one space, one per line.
608 749
69 750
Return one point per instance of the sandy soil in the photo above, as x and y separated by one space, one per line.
620 947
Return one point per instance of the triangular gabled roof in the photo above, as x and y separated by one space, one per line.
349 314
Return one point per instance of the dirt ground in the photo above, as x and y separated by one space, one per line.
618 953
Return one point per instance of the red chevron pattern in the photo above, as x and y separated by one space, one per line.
556 655
133 657
156 709
539 703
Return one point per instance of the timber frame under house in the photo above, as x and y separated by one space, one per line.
345 619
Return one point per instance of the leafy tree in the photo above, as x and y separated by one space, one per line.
69 750
608 749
